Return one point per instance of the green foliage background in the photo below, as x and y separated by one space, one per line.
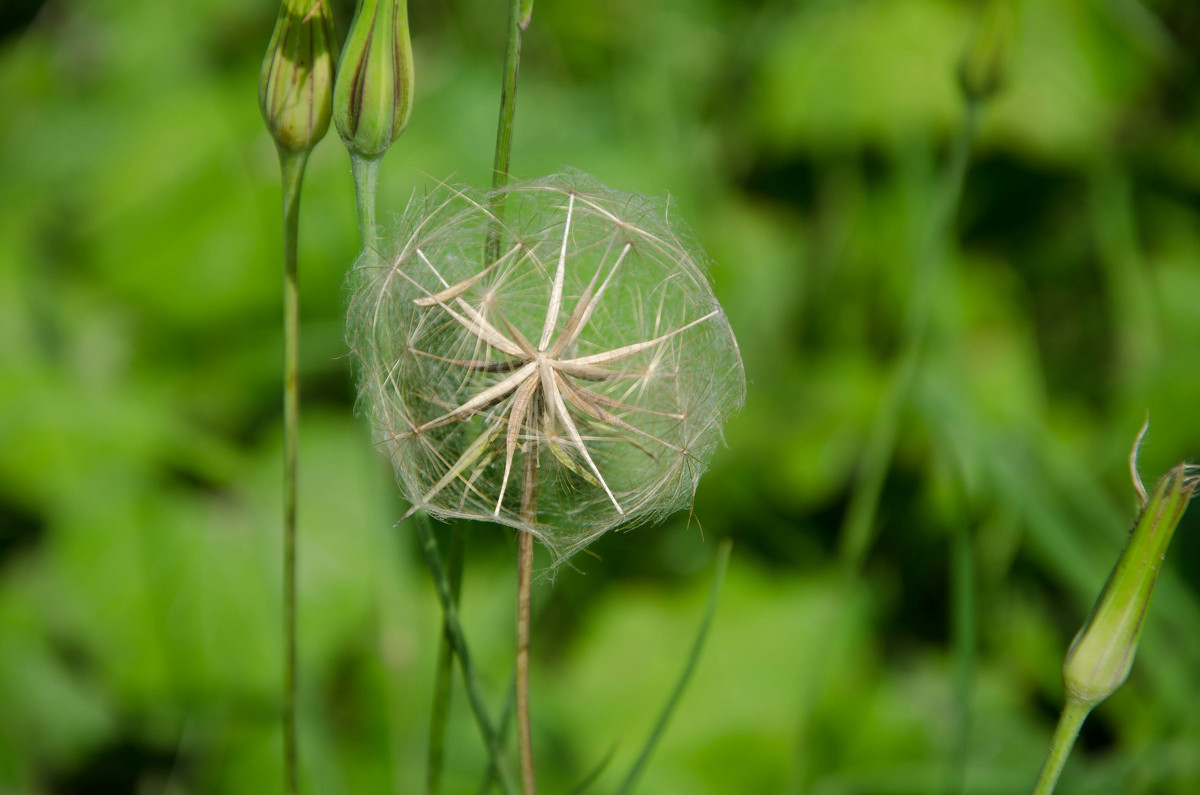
140 415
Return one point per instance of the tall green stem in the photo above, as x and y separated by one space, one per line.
291 168
518 20
366 180
857 529
962 597
1069 724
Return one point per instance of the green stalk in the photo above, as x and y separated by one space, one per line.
445 668
506 713
519 12
518 20
458 642
366 181
962 597
1069 724
660 726
291 166
594 774
858 527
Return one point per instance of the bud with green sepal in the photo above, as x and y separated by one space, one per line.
981 70
295 87
1101 656
373 94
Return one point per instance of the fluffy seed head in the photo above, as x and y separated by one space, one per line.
549 356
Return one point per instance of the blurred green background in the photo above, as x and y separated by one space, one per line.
805 142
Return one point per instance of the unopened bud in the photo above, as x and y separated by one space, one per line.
295 88
981 71
374 90
1101 655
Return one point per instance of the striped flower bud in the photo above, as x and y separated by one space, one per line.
1102 653
295 88
981 70
373 93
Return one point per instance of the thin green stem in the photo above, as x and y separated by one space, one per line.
518 21
594 774
506 713
857 534
366 181
445 667
291 167
458 641
660 726
1069 723
519 12
962 597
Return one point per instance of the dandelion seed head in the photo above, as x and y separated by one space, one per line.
553 323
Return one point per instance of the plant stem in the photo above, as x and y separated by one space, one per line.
660 726
510 695
524 582
1069 723
366 180
458 642
524 731
962 587
291 167
857 529
445 667
518 20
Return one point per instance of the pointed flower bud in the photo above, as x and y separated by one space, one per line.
295 88
373 93
1102 653
981 70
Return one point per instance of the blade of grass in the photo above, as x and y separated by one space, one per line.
458 642
962 596
857 531
660 726
594 774
506 715
445 668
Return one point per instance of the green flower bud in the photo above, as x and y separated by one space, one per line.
373 93
295 87
981 69
1102 653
